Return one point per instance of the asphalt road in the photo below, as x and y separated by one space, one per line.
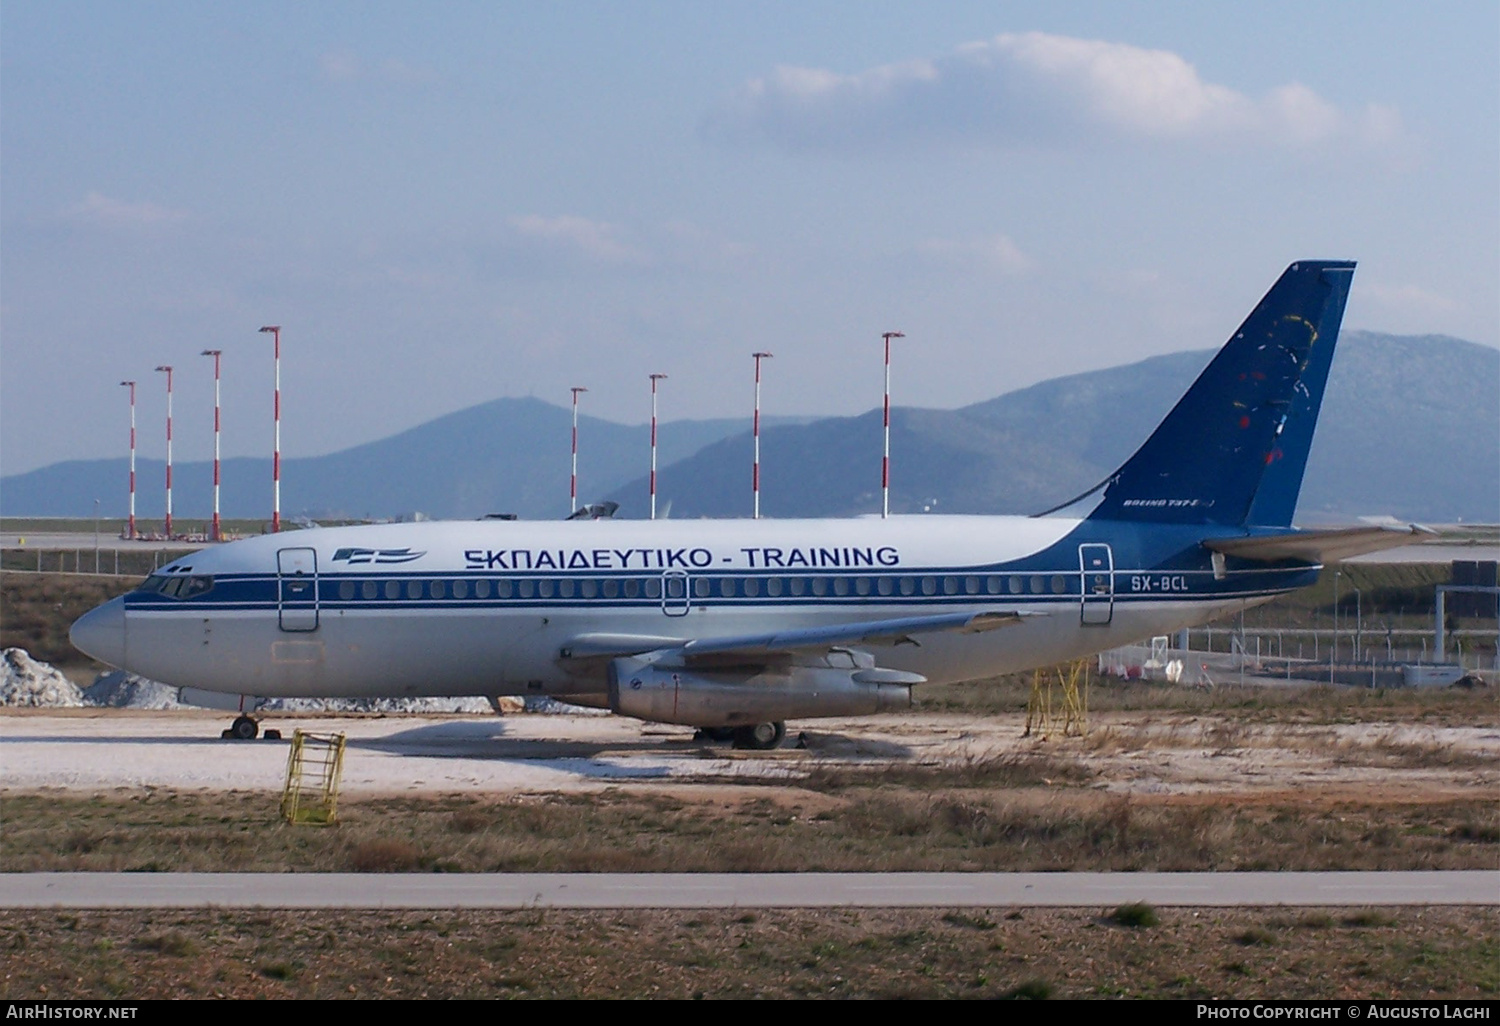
742 890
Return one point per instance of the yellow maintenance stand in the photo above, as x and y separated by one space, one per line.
1069 716
314 768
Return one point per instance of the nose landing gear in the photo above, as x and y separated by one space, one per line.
245 728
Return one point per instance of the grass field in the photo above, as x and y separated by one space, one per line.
972 953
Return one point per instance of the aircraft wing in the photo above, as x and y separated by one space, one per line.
781 645
1326 546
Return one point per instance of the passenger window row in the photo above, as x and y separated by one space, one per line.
709 587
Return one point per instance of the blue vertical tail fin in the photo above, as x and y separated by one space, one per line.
1234 448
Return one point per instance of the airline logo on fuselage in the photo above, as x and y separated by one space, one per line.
763 557
356 556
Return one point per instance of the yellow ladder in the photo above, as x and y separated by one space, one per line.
1070 717
314 767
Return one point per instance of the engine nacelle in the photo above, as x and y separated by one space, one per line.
730 698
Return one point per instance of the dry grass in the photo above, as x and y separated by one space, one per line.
36 610
874 828
917 953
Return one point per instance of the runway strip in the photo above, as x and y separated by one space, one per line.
741 890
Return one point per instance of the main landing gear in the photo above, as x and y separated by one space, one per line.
760 737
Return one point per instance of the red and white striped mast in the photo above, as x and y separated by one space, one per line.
885 459
275 330
213 533
130 524
167 524
573 480
755 430
654 379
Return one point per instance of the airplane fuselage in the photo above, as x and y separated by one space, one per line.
489 607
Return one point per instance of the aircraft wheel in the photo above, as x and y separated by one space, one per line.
244 729
761 736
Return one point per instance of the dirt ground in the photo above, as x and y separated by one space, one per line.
1128 753
1305 783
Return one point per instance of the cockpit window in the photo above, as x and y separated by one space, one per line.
184 587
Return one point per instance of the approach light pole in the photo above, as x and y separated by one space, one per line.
275 331
654 379
130 524
885 459
167 523
214 534
755 430
573 480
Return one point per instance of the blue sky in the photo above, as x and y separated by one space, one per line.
445 204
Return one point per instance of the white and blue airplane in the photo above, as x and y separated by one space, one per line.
736 626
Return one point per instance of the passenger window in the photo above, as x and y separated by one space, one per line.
908 586
653 587
797 586
971 586
885 586
460 589
632 588
1039 585
565 587
820 586
392 589
503 589
610 588
369 589
701 587
413 589
526 589
774 586
544 588
346 590
929 586
841 585
588 589
1059 585
1015 585
438 589
862 586
482 588
752 587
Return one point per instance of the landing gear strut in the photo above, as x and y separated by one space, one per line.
760 736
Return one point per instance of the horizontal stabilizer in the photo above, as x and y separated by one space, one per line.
1328 546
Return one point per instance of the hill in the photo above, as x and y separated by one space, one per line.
1410 427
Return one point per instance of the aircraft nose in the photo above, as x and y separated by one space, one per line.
101 633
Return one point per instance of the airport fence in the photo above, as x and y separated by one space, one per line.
105 561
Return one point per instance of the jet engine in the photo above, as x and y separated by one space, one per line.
666 690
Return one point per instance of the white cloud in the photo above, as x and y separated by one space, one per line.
343 66
1031 88
1407 300
994 253
96 208
597 240
340 66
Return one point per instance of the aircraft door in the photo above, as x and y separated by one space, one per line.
1096 566
297 589
674 593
